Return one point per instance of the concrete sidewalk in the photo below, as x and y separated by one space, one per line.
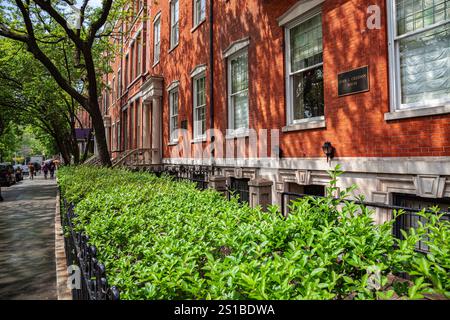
27 240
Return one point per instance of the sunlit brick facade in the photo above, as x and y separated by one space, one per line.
276 66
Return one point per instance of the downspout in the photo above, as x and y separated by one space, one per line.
211 80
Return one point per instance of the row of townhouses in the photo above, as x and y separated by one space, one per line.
270 94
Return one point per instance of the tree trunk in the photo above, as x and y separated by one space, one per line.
87 146
100 134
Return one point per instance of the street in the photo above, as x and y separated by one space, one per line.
27 240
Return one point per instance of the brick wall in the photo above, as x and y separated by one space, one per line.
354 124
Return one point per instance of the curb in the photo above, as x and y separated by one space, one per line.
63 292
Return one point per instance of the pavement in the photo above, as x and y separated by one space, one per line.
27 240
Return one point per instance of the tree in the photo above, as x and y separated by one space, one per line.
31 96
44 25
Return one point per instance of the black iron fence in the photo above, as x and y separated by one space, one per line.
196 174
240 188
82 257
410 219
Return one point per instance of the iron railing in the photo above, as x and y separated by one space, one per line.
404 222
240 188
93 284
196 174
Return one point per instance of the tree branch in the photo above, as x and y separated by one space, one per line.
42 57
47 6
96 25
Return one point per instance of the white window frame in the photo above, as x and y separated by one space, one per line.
174 25
232 130
198 18
139 51
196 134
113 90
416 109
173 131
119 83
288 78
156 39
132 55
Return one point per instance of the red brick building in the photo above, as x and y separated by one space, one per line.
370 77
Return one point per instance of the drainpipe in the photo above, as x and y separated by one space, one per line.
211 78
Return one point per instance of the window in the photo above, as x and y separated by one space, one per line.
157 40
419 53
173 101
119 84
199 106
199 11
132 62
138 124
104 102
113 88
139 56
119 136
305 69
238 90
113 137
174 26
126 71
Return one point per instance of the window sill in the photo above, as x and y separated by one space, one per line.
198 25
173 48
307 125
414 113
198 140
172 143
236 134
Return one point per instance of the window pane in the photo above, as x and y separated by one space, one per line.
425 66
174 17
173 114
157 40
240 103
202 9
199 125
306 44
199 107
416 14
239 73
308 94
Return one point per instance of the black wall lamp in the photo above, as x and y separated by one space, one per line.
328 149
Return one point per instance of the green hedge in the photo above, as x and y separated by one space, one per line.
163 239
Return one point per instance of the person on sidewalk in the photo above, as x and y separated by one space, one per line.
51 167
44 167
31 169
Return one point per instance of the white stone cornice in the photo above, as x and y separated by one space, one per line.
298 9
235 47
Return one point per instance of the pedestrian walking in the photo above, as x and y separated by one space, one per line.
31 169
45 169
51 168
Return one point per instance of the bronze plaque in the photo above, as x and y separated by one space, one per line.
353 81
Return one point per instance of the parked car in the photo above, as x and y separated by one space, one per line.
18 172
7 176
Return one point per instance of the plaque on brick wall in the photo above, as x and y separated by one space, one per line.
353 81
184 124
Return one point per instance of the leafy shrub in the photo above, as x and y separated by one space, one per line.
162 239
